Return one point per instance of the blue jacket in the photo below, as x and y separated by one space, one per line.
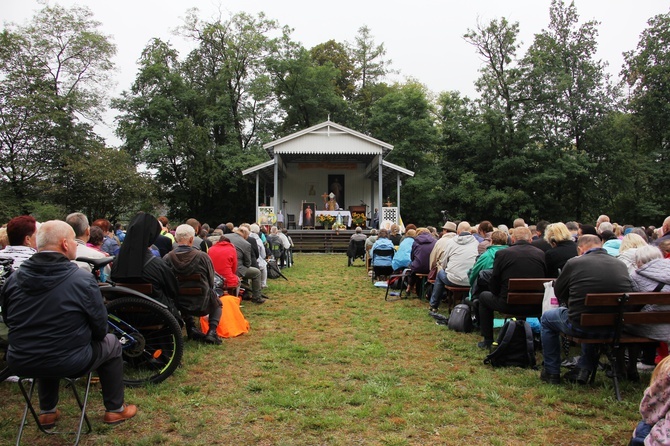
403 257
377 260
53 310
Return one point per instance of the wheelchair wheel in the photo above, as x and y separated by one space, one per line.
151 337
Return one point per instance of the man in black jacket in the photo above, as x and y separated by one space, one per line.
57 324
593 271
520 260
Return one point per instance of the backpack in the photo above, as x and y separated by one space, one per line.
514 346
460 319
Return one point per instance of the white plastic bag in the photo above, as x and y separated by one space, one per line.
549 301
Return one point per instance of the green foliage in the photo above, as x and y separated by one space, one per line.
306 91
647 73
54 72
403 118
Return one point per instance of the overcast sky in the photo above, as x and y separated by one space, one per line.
424 39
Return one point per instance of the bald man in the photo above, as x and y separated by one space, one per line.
57 324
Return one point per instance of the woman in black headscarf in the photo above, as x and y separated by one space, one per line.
136 264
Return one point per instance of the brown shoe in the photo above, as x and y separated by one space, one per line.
48 420
129 411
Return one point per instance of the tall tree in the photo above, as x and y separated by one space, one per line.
500 82
338 55
404 117
569 94
200 121
370 65
306 91
647 72
54 78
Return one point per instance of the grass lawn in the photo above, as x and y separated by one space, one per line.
328 362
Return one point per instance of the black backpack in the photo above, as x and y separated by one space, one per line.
460 319
514 347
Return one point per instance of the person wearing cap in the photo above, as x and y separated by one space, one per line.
460 254
448 232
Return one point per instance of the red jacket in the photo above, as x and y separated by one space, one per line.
224 259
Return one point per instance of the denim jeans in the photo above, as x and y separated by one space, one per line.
554 322
438 288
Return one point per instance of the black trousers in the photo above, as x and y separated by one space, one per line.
107 362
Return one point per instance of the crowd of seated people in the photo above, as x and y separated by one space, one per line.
582 258
148 251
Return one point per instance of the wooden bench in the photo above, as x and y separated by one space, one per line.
455 295
618 310
420 286
525 291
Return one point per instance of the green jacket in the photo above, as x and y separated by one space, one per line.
485 261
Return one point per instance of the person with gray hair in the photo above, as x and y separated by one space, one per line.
605 226
358 234
629 245
82 232
57 323
652 274
262 255
573 227
245 268
188 261
665 232
593 271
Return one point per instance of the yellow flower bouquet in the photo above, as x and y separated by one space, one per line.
358 219
326 219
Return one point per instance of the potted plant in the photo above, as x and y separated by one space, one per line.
326 220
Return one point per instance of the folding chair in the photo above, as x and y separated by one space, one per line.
381 270
28 394
402 278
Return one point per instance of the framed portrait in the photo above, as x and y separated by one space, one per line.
308 214
312 190
336 186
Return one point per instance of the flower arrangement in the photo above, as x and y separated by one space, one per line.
359 219
338 226
326 219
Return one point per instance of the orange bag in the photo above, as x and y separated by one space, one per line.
232 321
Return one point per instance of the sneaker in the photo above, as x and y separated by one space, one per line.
577 376
212 338
550 378
12 379
48 420
259 300
433 309
129 411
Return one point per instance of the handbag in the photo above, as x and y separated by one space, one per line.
549 301
432 274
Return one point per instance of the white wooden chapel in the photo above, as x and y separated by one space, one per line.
307 166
